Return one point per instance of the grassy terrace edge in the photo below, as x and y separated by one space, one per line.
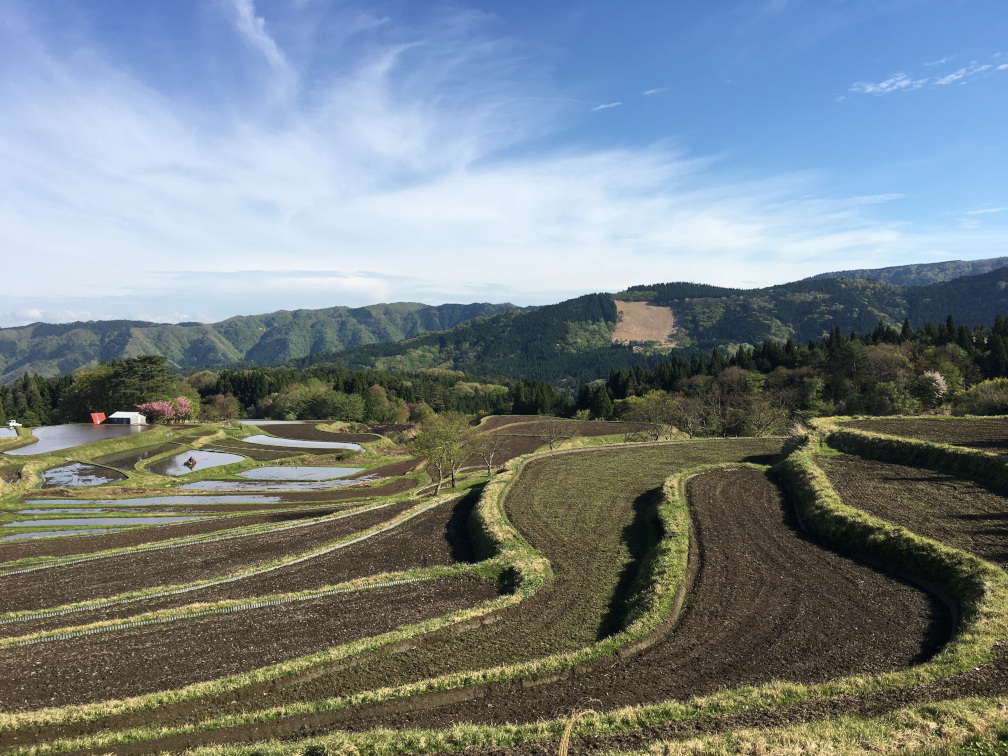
88 712
981 589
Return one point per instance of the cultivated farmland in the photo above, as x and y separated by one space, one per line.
683 591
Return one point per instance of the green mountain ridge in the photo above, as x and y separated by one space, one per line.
921 274
571 340
57 349
559 343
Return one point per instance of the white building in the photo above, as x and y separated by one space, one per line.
126 418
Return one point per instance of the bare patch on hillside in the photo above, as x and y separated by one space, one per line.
642 322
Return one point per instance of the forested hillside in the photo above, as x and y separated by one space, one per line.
572 340
921 274
51 350
566 339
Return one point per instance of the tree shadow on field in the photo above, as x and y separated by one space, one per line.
643 532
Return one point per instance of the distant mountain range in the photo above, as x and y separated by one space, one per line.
563 341
51 350
921 274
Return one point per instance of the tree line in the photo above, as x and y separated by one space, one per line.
751 390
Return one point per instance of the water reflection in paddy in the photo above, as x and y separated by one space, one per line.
151 501
127 460
202 459
274 485
79 474
72 522
300 472
56 437
299 444
51 533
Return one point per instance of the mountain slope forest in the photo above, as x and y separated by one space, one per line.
571 340
51 350
560 343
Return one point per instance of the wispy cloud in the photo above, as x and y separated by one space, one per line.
607 105
253 29
418 167
987 211
895 83
963 73
658 90
900 82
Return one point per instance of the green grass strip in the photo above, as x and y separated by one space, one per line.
666 564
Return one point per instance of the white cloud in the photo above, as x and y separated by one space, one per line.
414 170
895 83
658 90
253 29
607 105
902 82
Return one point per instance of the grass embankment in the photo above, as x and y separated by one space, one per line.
491 569
981 588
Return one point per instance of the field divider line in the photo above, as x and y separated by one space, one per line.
221 581
193 541
278 601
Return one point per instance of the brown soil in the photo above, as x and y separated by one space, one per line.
988 433
952 510
134 571
87 669
437 537
768 604
642 321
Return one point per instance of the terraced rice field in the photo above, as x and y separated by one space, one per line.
988 433
672 588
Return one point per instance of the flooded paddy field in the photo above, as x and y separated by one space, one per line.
294 443
78 474
56 437
298 472
190 460
127 460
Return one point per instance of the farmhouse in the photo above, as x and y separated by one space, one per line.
126 418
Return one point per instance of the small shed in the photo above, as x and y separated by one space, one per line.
126 418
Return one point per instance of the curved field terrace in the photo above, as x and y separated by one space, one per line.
508 604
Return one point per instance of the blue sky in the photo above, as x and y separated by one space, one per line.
178 160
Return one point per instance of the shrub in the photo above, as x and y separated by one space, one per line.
985 398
